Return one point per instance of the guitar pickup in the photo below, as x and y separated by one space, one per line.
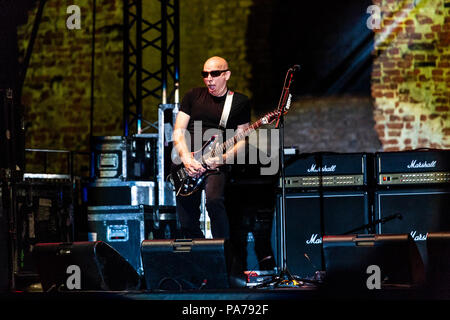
181 174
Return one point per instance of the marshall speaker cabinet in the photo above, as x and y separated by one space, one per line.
417 212
413 187
326 194
310 215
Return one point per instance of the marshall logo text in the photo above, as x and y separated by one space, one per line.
313 168
315 239
418 164
418 237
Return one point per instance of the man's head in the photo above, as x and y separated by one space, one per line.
216 81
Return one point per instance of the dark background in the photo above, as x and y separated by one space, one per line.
328 39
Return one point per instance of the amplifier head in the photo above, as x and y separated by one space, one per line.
413 167
327 170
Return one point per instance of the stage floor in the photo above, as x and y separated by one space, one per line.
242 303
270 293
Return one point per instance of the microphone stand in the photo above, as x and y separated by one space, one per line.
372 224
284 278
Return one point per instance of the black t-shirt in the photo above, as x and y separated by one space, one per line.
200 105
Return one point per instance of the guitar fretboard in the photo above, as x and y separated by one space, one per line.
220 148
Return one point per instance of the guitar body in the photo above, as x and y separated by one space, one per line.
184 184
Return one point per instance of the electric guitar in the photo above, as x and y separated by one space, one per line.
184 184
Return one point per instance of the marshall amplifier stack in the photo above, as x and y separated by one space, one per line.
326 194
413 187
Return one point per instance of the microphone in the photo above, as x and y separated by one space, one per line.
392 217
295 68
309 260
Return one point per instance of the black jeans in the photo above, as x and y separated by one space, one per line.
188 209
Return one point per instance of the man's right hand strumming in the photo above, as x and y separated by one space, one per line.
193 167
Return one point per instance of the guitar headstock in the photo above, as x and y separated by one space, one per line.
268 118
271 116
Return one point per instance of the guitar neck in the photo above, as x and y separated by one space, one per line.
220 148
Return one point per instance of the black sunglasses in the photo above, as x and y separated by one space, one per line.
214 73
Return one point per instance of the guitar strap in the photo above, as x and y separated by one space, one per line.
226 110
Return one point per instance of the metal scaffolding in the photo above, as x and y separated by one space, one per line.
160 37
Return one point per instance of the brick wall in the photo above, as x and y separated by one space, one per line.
411 74
332 124
57 88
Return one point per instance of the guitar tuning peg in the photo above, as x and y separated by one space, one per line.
288 103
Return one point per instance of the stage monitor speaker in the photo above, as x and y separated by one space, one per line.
185 264
352 260
83 266
339 212
421 210
438 248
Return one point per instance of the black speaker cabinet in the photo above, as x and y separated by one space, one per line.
438 248
351 259
179 264
5 258
306 213
422 211
98 265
